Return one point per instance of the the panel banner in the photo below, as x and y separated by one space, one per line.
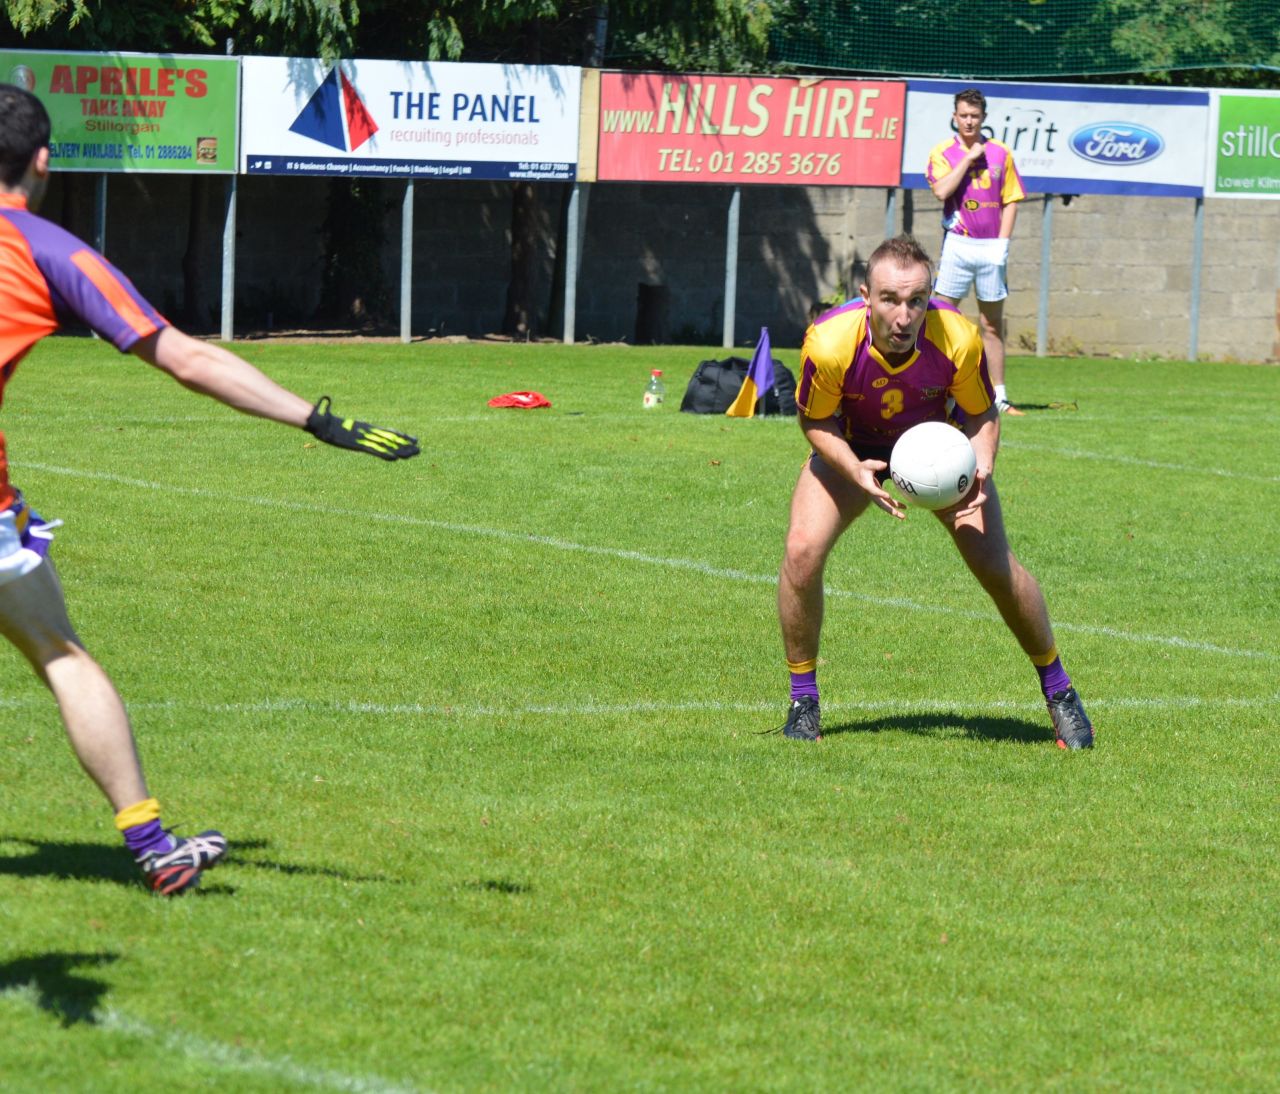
133 111
745 129
399 119
1244 158
1074 139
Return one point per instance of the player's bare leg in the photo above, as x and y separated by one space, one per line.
823 505
991 327
981 540
33 617
980 537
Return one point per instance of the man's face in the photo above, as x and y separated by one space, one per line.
897 299
968 121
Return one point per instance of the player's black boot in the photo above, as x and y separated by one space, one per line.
1071 725
804 720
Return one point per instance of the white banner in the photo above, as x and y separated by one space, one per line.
1074 139
399 119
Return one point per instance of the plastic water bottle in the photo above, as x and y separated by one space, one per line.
654 391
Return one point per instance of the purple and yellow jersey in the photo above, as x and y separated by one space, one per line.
993 182
844 376
49 277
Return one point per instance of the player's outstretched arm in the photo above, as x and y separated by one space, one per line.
220 374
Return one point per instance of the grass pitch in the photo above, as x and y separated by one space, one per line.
483 731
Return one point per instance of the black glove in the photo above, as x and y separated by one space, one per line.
386 444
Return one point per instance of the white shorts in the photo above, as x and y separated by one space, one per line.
24 541
973 262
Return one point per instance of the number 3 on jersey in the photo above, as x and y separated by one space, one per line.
890 403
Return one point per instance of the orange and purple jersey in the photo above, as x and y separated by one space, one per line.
48 277
844 376
974 208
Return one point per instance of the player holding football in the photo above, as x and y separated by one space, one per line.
979 186
871 369
48 276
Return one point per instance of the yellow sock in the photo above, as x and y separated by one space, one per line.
138 813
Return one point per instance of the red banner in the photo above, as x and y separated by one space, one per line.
744 129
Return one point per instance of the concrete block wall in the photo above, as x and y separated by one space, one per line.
795 248
1121 272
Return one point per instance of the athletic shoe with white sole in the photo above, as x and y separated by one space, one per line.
176 871
1071 725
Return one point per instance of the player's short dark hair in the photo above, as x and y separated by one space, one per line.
901 251
973 97
24 130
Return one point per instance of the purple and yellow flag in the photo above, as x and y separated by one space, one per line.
759 380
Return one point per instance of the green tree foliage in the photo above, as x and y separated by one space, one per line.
300 28
139 25
1146 40
709 35
1203 42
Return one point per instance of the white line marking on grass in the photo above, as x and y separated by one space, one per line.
691 565
709 706
221 1056
659 706
118 420
1105 457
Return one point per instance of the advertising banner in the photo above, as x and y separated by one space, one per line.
1244 158
745 129
400 119
1074 139
133 111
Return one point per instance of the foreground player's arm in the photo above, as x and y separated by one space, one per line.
971 388
983 431
220 374
829 443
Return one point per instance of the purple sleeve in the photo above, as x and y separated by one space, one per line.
84 286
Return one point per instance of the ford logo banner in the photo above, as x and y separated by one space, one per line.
1116 144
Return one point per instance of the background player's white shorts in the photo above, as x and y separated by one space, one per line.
977 262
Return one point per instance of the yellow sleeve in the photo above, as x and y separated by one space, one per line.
1011 189
824 359
960 341
939 166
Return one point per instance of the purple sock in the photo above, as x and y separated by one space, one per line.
1053 678
142 838
804 683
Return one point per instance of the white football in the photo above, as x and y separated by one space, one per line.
933 464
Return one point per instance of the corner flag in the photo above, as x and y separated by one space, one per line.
759 380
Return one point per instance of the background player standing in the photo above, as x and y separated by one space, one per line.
48 276
871 369
978 184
